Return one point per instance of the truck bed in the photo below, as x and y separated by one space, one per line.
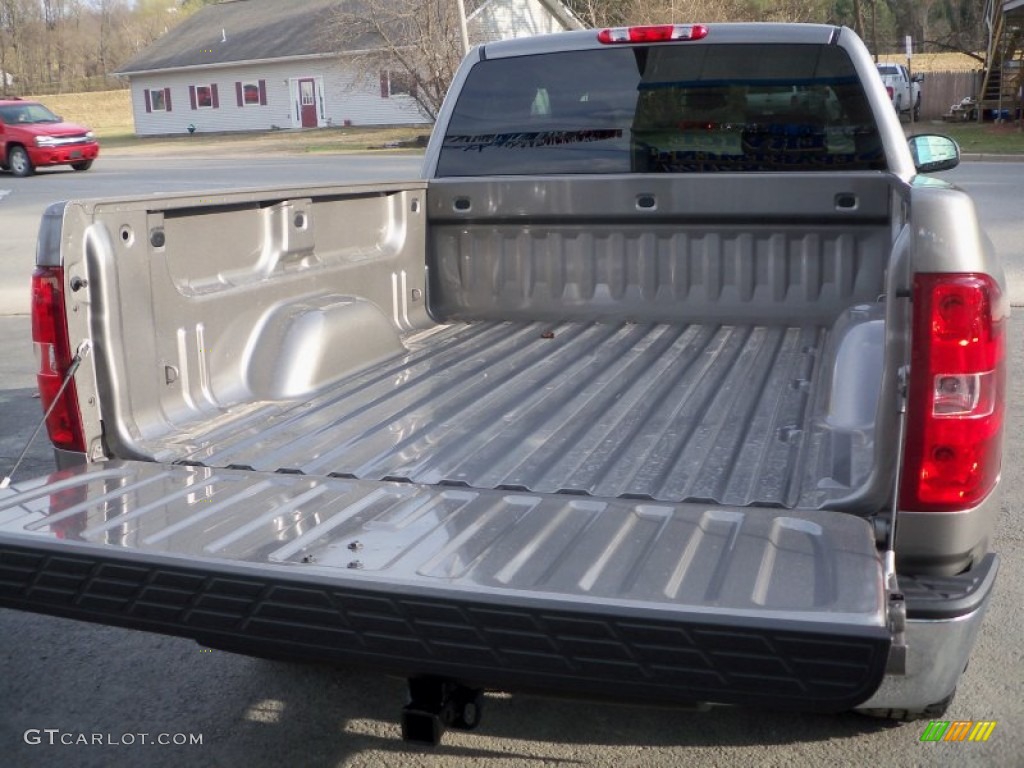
461 334
647 411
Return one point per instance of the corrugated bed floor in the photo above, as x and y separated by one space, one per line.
671 413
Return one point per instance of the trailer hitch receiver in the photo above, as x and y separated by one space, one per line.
436 704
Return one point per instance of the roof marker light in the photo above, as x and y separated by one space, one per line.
663 33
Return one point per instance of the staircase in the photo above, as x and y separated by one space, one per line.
1004 70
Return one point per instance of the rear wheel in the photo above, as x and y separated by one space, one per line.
20 162
917 110
85 165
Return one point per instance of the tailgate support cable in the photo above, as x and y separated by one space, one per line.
80 354
897 604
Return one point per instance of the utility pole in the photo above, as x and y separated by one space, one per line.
874 30
463 26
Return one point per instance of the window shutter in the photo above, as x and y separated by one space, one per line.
167 99
263 92
192 96
213 96
149 104
238 93
384 84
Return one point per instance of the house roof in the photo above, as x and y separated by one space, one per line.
1011 6
237 31
254 30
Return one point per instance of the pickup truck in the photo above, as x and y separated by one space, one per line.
904 90
657 387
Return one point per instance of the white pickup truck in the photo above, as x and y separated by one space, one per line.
672 379
904 90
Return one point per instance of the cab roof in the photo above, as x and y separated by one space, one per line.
725 33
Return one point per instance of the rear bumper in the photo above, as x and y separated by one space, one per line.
74 153
945 616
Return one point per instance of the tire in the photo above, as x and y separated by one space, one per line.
898 105
917 110
468 704
85 165
20 162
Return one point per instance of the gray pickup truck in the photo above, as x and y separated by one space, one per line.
672 381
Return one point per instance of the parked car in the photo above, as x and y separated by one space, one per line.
32 136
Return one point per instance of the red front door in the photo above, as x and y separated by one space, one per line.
307 102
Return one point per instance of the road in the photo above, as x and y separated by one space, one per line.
85 679
22 201
997 192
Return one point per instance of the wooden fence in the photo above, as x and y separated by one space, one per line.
940 90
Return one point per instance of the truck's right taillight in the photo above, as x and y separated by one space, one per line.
53 359
956 394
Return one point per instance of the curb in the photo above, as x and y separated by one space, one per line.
983 157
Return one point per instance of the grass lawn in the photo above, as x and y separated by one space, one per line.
985 138
316 140
108 113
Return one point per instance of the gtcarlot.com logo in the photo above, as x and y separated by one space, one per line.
958 730
57 737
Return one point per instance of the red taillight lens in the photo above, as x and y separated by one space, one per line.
956 395
662 33
890 90
53 358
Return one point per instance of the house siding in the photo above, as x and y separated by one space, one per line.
504 19
343 95
345 98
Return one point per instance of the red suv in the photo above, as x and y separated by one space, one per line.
31 136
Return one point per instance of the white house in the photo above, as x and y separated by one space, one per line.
242 65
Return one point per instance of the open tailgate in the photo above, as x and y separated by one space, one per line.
498 589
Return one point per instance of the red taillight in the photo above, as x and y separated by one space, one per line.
889 89
662 33
53 358
956 394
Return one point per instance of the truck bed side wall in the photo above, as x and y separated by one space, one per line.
311 284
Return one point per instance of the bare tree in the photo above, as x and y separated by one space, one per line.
417 40
8 42
601 13
70 45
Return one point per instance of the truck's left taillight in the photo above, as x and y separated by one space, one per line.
956 393
53 359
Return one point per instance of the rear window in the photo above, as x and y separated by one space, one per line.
887 70
663 109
